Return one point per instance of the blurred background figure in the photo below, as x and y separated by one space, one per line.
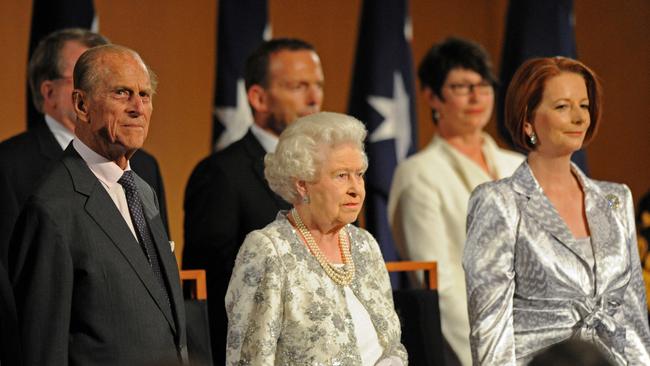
226 196
643 226
428 200
572 352
310 288
550 253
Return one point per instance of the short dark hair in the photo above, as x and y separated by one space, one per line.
86 71
450 54
46 59
257 64
526 90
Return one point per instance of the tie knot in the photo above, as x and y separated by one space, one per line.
127 181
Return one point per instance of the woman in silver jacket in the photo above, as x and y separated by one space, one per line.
310 288
551 254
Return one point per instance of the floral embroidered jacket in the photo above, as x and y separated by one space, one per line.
283 309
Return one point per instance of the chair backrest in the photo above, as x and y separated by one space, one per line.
196 316
198 286
430 269
420 315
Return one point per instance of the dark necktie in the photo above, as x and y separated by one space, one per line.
141 228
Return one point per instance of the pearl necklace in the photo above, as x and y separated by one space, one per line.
342 276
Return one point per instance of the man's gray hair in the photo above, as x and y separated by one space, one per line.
86 73
299 154
45 63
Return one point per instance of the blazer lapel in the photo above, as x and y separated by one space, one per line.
540 209
256 153
167 259
605 228
103 211
48 146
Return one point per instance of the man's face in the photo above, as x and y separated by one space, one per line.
115 114
57 94
295 87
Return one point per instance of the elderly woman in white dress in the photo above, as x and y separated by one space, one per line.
551 254
310 288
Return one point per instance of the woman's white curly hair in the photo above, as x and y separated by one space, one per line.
300 151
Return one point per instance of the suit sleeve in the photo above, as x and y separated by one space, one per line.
488 261
10 211
42 275
254 303
637 349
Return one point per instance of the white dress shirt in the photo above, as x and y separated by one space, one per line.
268 140
108 174
62 135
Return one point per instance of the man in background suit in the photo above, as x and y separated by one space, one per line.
26 158
227 196
95 279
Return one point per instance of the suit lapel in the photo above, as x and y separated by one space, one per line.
49 148
101 208
605 228
540 209
256 153
167 259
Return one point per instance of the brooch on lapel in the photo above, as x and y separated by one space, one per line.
613 201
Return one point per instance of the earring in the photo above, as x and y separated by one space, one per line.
305 199
533 138
435 114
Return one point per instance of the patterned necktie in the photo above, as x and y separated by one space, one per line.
141 228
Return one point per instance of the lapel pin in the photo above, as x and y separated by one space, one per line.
613 201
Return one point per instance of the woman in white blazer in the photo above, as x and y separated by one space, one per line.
427 204
551 254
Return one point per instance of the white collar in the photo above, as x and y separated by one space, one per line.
108 172
268 140
62 135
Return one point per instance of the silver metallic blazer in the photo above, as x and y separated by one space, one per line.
529 285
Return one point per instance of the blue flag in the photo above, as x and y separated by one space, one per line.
382 98
536 29
242 25
49 16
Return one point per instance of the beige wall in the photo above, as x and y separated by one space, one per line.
177 38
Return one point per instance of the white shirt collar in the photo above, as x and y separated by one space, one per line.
268 140
105 170
62 135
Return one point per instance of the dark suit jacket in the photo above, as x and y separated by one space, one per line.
85 293
25 160
9 340
226 198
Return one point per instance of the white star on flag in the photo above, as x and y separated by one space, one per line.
236 120
397 117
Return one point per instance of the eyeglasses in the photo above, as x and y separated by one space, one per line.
462 89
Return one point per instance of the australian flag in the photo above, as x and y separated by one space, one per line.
49 16
536 29
382 98
242 26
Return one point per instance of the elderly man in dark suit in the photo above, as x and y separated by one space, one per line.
26 158
227 196
95 279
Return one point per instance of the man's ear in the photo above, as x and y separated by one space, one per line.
80 105
257 98
47 91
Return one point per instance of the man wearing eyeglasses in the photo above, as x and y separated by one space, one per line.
427 205
25 159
